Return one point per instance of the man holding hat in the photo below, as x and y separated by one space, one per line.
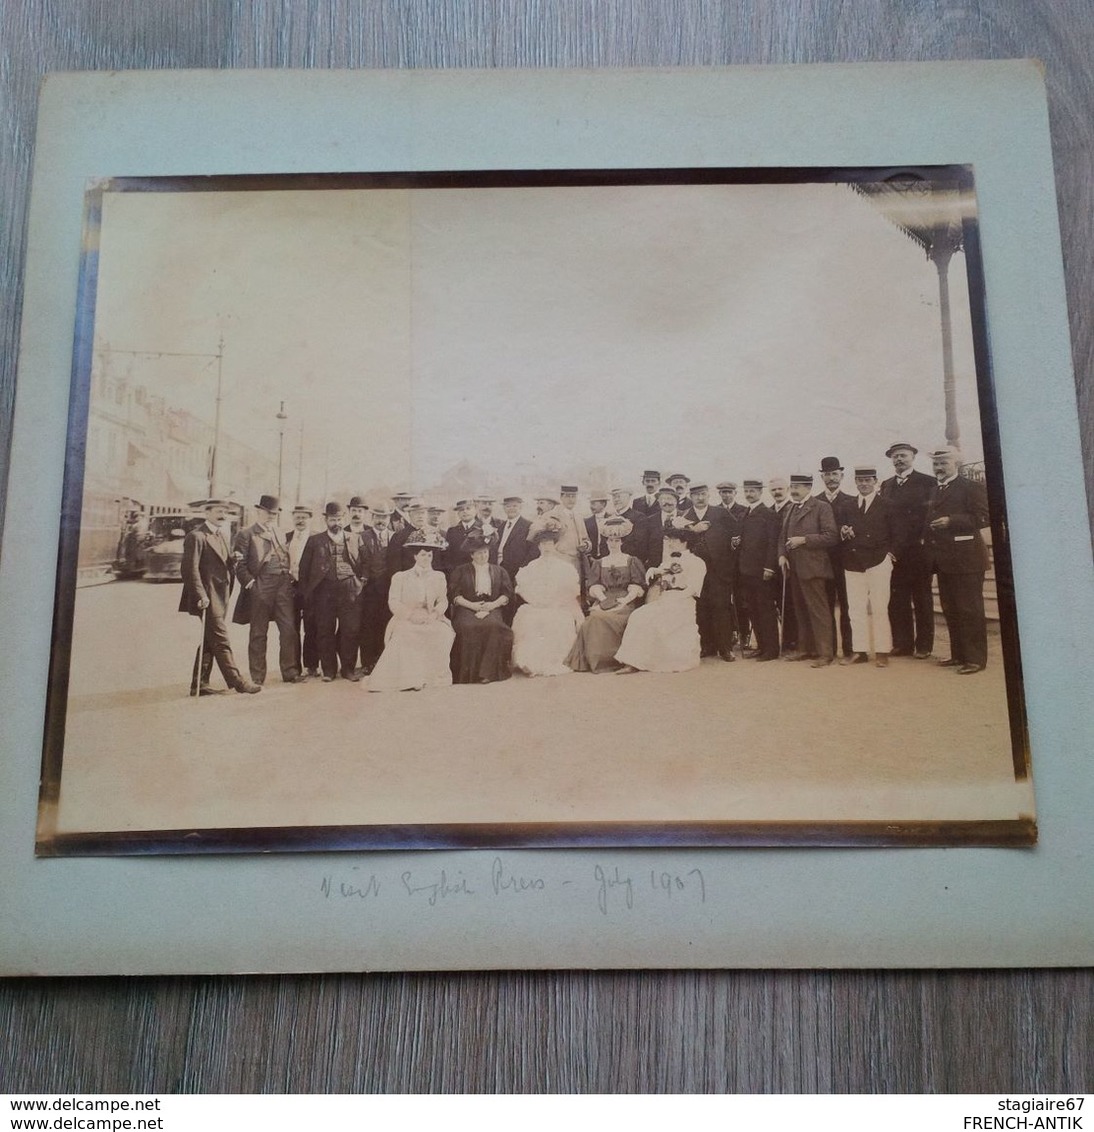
306 639
911 603
207 581
715 530
808 534
956 513
334 570
866 543
266 591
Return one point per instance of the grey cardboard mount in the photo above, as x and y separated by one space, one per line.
921 907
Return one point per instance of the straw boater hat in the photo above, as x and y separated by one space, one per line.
864 470
802 478
753 483
300 509
429 540
726 485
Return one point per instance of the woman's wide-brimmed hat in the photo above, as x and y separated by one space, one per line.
617 527
476 540
427 540
545 528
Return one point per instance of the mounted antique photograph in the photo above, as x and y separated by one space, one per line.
640 507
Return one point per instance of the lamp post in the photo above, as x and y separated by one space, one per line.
282 417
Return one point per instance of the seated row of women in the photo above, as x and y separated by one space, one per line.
637 619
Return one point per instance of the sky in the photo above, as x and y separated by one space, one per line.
725 330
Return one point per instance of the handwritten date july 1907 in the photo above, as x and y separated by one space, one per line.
612 888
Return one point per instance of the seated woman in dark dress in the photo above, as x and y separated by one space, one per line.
478 592
616 584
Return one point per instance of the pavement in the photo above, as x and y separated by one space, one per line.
725 742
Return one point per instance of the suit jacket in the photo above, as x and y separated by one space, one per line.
908 507
518 551
647 541
715 546
599 546
206 572
958 548
812 520
252 551
873 534
759 549
643 509
317 561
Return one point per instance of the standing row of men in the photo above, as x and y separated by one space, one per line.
862 564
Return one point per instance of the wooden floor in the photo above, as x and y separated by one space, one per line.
1023 1031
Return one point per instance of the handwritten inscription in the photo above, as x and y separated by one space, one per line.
611 889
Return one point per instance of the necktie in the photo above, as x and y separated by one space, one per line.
862 504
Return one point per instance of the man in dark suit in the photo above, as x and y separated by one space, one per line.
266 592
458 532
784 601
679 483
956 514
594 524
831 473
645 505
808 533
374 609
911 603
727 492
866 543
623 506
307 640
334 570
715 530
514 549
757 566
649 535
207 581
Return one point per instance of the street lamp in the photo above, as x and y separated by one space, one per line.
282 417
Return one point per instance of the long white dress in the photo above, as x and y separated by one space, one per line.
545 627
663 636
415 655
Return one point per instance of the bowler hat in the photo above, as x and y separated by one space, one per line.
831 464
269 503
333 510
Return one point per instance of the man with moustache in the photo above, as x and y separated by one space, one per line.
374 608
757 566
784 603
911 603
831 473
649 535
808 533
307 640
727 492
335 568
956 514
644 505
266 592
714 531
514 549
484 515
679 483
207 581
358 514
623 506
417 523
866 541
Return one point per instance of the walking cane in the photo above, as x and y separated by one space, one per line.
195 687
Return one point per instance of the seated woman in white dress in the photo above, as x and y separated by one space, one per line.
545 627
418 641
663 636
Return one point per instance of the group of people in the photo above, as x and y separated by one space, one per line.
654 581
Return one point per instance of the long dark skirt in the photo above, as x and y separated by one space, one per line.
483 650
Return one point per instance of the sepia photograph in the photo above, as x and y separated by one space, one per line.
601 507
